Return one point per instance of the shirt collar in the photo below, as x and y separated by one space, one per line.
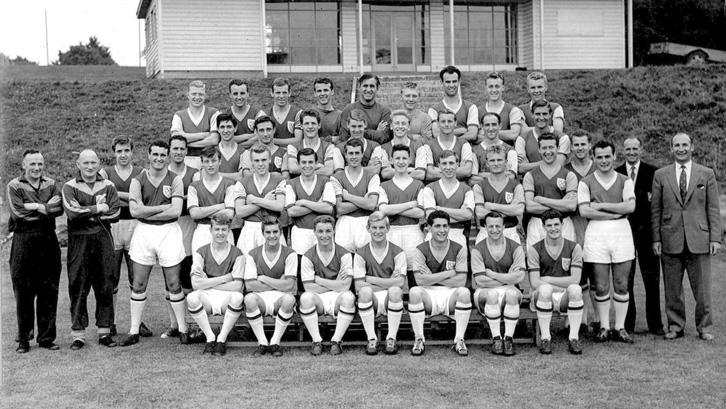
79 178
22 178
688 166
629 167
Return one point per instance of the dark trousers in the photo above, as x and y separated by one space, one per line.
650 271
91 264
699 275
35 267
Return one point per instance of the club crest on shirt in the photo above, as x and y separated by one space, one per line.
450 265
278 162
251 124
291 126
167 191
101 199
561 183
508 197
565 263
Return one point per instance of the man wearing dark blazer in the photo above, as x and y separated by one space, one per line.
642 175
686 226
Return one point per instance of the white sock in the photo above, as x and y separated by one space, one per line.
417 314
345 317
170 311
200 317
492 313
511 316
462 313
602 305
115 304
310 319
179 305
575 311
395 310
230 318
254 318
620 303
365 310
136 305
281 323
544 316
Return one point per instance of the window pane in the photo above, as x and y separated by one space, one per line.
328 56
302 38
303 56
302 19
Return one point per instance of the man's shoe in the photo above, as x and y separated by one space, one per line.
460 348
671 335
130 339
575 347
508 346
107 341
220 349
372 348
144 331
23 347
336 348
621 335
209 348
706 336
113 332
50 346
497 346
317 349
583 329
603 335
418 347
77 344
276 350
261 350
545 347
169 333
595 327
658 332
391 347
184 338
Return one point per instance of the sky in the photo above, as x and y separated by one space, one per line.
113 22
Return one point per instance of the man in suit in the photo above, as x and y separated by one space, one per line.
686 226
642 175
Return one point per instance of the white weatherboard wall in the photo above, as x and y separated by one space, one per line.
211 35
580 34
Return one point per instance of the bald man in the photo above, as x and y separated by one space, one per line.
92 204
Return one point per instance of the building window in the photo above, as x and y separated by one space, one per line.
151 27
303 33
483 34
404 27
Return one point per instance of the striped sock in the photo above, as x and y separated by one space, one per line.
492 314
511 316
281 323
230 318
365 310
178 306
462 313
136 305
575 310
417 314
395 310
200 317
254 318
544 316
602 305
345 317
310 319
621 309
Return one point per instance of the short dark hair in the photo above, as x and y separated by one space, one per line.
159 144
354 143
603 144
121 140
494 114
323 80
493 215
541 104
279 82
210 152
447 154
551 214
262 119
400 147
179 138
30 152
307 152
444 111
269 221
310 112
496 149
449 69
226 116
238 82
494 75
438 214
579 133
548 136
366 76
358 115
324 218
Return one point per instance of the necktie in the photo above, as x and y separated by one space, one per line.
632 173
682 183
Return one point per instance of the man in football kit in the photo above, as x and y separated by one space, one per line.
498 193
196 123
549 186
374 158
377 116
258 195
270 278
537 87
420 123
555 265
306 198
606 198
490 130
230 152
379 270
329 116
400 130
497 266
466 114
265 130
512 118
121 175
243 112
401 200
287 117
326 272
310 119
451 196
527 146
356 192
217 278
447 141
156 200
439 267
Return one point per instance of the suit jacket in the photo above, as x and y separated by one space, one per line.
692 224
640 218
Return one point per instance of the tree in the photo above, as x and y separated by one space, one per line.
22 61
92 53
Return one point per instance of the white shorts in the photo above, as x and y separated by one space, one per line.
193 161
440 297
188 225
302 240
163 243
351 232
456 235
501 292
270 298
203 236
608 241
215 301
407 238
251 236
122 233
329 300
381 301
536 231
509 232
556 301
